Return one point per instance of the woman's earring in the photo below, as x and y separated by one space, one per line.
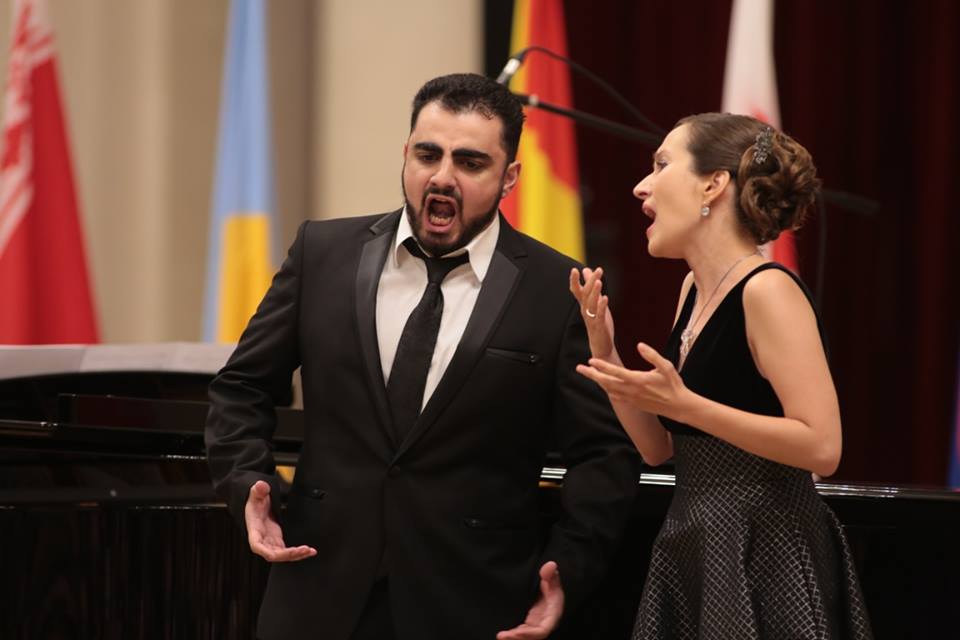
705 210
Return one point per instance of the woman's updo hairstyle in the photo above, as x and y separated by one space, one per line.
775 177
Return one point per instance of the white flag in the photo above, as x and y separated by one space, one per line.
750 85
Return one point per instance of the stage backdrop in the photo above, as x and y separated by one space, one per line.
870 88
140 87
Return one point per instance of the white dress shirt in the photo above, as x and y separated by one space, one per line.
402 283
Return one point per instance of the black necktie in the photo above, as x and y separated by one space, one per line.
408 376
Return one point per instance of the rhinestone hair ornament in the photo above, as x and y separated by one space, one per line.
763 145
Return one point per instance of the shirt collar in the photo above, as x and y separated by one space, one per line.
480 249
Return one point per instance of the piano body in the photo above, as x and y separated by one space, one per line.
109 527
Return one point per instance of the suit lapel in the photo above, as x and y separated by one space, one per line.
373 255
498 286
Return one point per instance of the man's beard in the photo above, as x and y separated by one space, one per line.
470 230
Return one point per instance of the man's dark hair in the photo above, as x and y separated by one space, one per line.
464 92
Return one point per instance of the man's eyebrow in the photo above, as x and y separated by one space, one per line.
471 153
428 146
463 152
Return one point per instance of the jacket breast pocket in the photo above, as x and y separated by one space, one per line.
517 356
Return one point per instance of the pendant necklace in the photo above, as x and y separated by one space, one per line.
687 336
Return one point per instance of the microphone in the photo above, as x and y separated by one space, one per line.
512 66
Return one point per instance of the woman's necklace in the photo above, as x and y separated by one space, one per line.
687 336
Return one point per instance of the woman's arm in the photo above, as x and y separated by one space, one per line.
786 346
785 341
645 431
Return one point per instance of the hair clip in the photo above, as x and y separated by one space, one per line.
763 145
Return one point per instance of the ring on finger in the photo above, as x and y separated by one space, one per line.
589 313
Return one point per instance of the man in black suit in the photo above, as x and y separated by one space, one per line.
414 510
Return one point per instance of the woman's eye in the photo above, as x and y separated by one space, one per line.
659 164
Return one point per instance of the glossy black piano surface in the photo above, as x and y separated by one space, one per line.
110 528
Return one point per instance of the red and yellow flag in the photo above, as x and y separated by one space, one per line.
546 202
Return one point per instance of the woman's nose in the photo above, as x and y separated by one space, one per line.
642 190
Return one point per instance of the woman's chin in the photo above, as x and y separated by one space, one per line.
659 250
654 249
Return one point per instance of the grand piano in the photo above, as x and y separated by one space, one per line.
109 527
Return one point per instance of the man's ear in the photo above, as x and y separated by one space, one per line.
716 184
510 177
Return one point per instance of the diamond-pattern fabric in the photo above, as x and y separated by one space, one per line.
748 550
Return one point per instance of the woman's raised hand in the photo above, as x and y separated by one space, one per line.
658 391
594 307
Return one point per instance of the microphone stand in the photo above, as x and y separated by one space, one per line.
596 122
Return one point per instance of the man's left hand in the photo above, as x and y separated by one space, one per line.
545 612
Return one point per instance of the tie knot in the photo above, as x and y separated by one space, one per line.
437 268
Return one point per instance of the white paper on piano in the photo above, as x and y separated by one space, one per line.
180 357
25 361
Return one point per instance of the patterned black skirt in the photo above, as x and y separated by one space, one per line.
748 551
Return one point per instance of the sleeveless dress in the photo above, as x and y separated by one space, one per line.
748 549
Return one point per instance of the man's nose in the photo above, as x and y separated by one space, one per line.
443 177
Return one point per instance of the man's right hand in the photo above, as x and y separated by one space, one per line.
263 531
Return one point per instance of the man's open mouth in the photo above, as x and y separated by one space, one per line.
440 210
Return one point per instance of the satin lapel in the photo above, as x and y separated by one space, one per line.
372 256
498 287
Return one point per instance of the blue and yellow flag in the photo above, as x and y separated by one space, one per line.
242 228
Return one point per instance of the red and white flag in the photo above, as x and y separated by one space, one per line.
45 294
750 85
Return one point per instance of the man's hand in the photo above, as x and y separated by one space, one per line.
263 531
545 612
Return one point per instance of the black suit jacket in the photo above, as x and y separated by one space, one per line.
454 507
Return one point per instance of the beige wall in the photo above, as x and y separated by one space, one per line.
141 82
361 81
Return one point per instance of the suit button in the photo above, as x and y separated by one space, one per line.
319 494
394 472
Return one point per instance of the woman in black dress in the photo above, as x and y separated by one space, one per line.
742 398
